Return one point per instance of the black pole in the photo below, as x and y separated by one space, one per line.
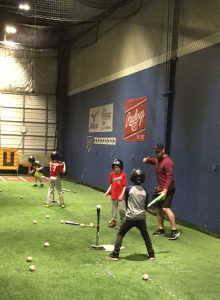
62 88
96 246
172 47
170 103
98 226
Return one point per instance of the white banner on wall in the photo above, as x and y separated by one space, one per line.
105 141
101 118
99 141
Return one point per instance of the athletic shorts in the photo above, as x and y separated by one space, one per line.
168 200
38 174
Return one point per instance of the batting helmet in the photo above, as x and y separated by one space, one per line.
31 159
117 162
55 155
137 176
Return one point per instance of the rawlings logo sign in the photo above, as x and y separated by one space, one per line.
135 119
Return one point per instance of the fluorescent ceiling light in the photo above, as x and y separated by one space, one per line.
24 6
10 29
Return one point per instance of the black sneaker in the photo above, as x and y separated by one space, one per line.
113 255
159 232
174 235
35 185
151 256
41 185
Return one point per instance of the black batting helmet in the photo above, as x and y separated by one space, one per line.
31 159
117 162
137 176
55 155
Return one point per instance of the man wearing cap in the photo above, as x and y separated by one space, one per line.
165 186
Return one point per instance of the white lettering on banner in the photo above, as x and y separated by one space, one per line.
134 121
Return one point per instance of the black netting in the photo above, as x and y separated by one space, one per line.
57 23
69 10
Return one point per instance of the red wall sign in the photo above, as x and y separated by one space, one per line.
135 119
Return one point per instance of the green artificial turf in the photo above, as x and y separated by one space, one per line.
186 269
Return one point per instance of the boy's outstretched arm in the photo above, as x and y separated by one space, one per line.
108 190
64 167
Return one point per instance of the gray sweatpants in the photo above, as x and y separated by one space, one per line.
55 182
122 209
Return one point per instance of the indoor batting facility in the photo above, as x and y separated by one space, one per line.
95 87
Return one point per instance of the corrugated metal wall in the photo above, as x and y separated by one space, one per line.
28 122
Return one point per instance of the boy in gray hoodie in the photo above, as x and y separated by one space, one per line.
136 204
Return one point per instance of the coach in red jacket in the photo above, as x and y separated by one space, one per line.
166 186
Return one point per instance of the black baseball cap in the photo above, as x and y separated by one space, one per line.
158 147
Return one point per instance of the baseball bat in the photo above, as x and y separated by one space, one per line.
72 223
82 225
159 198
87 225
66 190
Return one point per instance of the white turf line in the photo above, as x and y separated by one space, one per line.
105 270
184 271
2 178
165 290
12 178
22 178
99 264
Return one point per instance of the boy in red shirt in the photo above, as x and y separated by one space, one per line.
56 167
118 182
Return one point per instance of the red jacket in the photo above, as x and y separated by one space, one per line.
164 172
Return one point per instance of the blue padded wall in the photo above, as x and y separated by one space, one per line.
93 167
196 138
195 135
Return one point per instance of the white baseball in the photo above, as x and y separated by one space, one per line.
34 221
32 268
46 244
61 221
21 197
145 277
98 206
29 258
47 216
91 225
